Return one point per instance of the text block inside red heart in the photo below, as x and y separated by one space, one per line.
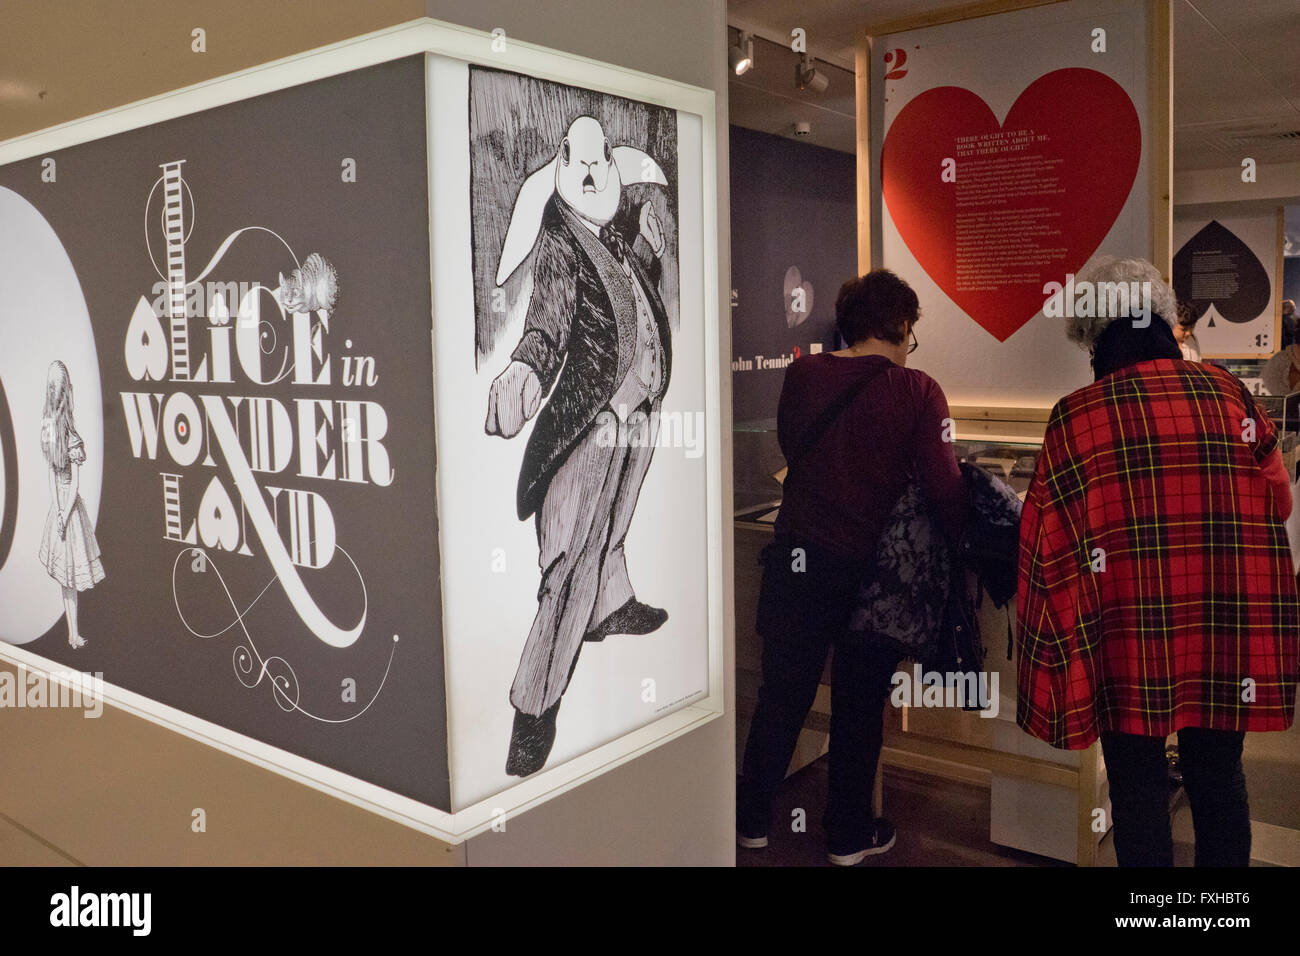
1029 200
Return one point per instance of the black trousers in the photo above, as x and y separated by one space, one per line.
1216 790
804 611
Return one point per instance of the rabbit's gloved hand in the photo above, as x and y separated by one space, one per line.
513 399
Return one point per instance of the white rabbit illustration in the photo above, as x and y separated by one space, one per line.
596 338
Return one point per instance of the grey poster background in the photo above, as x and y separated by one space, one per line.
273 161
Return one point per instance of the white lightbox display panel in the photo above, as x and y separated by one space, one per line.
477 559
523 579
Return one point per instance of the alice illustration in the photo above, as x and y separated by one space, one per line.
68 549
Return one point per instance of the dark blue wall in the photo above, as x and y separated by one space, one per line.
792 204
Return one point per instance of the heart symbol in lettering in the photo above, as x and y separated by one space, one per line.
1214 267
1011 220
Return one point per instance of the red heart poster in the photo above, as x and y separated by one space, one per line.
1023 202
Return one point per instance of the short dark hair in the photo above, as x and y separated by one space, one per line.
878 305
1187 316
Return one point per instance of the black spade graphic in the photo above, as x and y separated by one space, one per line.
1216 268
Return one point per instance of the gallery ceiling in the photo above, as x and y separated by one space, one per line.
40 42
1236 73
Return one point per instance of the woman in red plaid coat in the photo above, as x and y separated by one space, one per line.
1156 589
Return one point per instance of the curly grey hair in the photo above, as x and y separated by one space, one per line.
1085 330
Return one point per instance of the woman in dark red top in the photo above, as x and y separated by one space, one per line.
846 472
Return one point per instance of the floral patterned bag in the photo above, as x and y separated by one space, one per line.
904 599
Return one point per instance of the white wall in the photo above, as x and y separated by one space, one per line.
1276 181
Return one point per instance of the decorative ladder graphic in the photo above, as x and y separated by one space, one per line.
172 507
174 228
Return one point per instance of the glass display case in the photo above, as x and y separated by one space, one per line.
759 466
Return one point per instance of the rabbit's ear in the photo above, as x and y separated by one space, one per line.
636 166
281 275
526 220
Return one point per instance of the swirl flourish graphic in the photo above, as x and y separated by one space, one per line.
251 668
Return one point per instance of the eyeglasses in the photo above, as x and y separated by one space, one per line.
912 346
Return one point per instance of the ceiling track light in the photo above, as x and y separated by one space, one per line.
807 77
741 54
